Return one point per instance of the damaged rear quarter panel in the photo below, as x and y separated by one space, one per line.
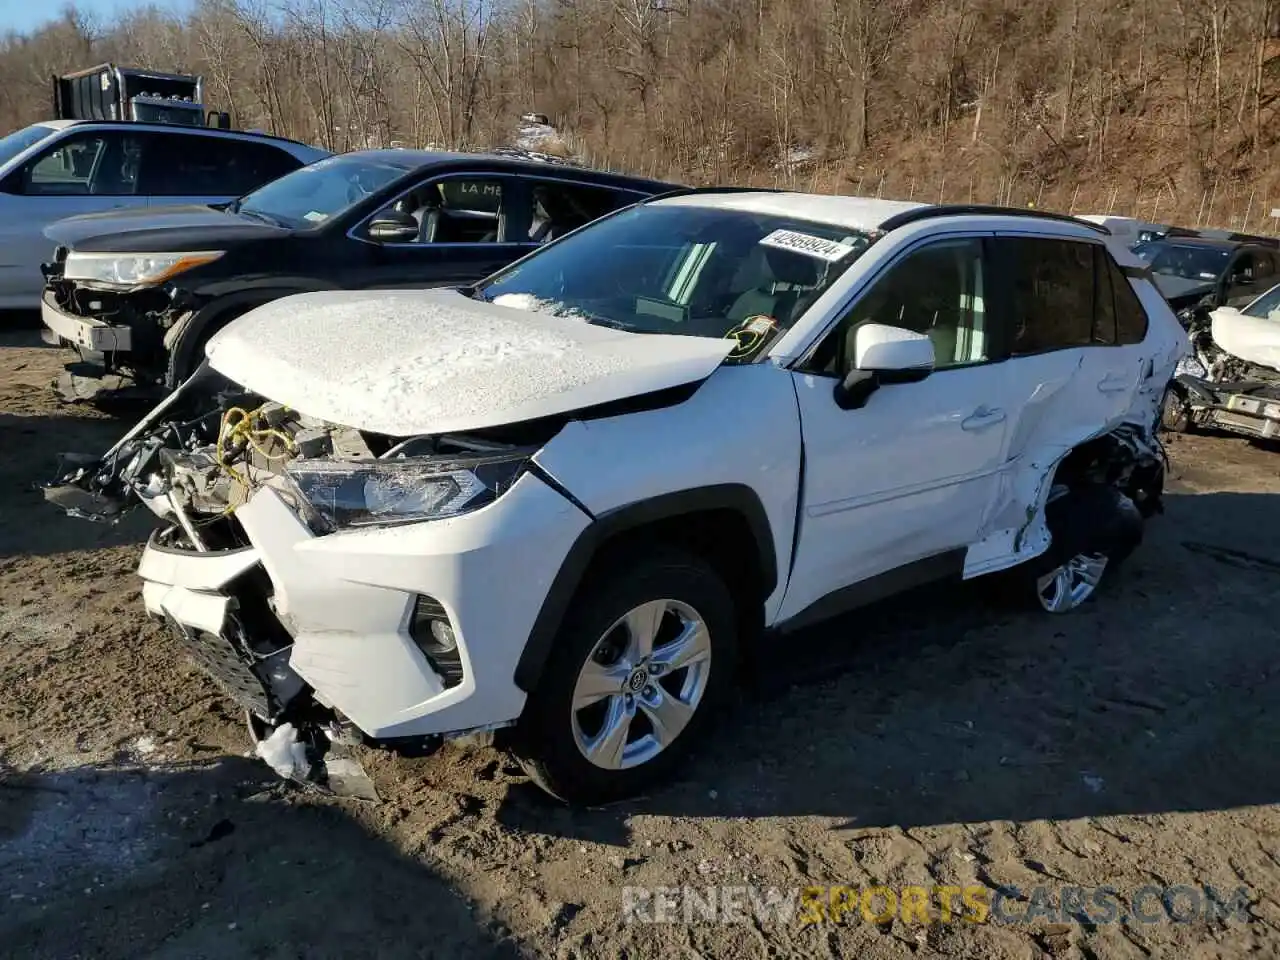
1065 408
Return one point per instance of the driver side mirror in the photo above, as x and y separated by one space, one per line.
393 226
883 355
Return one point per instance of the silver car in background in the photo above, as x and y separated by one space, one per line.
64 168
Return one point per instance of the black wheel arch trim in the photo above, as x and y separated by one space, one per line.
736 497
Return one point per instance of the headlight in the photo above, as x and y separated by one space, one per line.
1190 365
381 492
133 269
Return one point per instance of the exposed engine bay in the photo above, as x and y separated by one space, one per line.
196 468
1214 388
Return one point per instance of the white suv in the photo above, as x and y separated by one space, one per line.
569 500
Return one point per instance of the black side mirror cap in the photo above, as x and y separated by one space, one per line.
394 227
853 392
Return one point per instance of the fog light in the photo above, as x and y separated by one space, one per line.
433 633
442 633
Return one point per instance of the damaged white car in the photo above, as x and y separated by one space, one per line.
567 503
1231 380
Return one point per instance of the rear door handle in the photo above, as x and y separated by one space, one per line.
982 418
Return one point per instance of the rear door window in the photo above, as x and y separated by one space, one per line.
193 165
559 208
1052 294
1068 293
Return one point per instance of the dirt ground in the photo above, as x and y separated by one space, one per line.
939 741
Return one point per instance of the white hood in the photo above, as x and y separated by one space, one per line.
1255 339
433 361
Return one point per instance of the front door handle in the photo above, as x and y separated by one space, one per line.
1113 384
982 418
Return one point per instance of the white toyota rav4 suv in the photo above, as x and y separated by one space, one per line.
569 502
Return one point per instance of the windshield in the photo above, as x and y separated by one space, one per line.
1186 261
315 194
19 140
1266 306
688 270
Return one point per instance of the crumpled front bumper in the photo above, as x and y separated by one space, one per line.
87 333
348 601
1249 409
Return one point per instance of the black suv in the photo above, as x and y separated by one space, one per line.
1214 269
138 294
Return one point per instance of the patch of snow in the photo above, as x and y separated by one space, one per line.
37 626
794 158
531 136
284 753
527 301
144 746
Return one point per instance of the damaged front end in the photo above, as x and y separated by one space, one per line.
1214 388
120 337
203 461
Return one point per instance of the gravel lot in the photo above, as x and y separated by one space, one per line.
934 742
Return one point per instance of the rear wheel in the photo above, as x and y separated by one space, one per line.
1094 528
646 656
1070 584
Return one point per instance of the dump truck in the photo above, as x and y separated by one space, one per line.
111 92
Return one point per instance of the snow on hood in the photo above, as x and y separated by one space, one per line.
432 361
1254 339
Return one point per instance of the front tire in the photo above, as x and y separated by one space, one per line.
1175 412
643 663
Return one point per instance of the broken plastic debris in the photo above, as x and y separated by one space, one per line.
284 753
346 778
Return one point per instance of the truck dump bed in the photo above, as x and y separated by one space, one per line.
110 92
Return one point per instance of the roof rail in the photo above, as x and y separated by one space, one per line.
978 209
688 191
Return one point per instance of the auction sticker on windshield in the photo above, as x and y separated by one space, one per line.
829 250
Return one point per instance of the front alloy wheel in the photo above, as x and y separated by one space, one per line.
641 684
644 659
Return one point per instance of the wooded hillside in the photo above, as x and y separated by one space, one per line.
1159 108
